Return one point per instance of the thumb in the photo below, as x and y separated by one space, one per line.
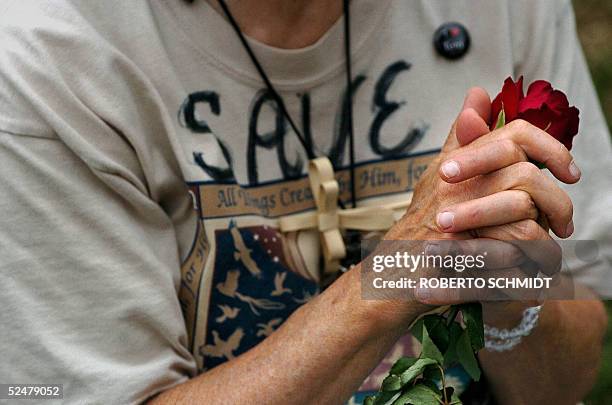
472 121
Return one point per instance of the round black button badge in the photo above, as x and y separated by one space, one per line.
452 40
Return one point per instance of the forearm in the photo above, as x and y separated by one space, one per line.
321 354
557 363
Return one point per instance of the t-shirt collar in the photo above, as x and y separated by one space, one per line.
214 36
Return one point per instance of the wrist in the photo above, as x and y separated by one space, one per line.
505 314
501 339
385 315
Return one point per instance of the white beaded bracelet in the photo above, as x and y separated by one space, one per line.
501 340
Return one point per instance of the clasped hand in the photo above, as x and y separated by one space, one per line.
483 185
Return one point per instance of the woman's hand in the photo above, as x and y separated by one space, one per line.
482 185
478 189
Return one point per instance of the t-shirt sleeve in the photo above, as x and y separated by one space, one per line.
88 276
89 259
546 46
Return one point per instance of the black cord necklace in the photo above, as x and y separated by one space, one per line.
281 104
352 237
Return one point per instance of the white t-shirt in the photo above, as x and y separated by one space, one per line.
142 161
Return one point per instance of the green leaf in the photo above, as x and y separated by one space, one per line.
429 348
382 398
438 331
417 330
369 400
415 370
402 364
450 356
501 119
429 382
432 373
466 356
419 394
472 316
455 400
452 314
391 383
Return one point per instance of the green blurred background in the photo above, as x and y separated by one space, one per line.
594 19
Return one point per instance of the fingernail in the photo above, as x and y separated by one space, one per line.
433 249
450 169
570 228
445 220
422 294
574 170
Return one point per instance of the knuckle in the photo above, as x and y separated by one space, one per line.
526 206
528 229
527 172
475 213
507 147
442 190
519 125
448 193
450 156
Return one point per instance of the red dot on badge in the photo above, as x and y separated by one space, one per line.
452 40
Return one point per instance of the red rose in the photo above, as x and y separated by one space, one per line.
544 107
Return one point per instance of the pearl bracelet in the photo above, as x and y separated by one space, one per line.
501 340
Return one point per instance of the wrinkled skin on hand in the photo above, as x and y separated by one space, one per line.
497 193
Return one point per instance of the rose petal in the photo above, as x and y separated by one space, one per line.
511 95
519 86
561 126
557 101
508 99
541 118
558 129
573 122
537 94
564 125
544 107
539 86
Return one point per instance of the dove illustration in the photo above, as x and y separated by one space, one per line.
268 328
227 312
279 280
220 347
